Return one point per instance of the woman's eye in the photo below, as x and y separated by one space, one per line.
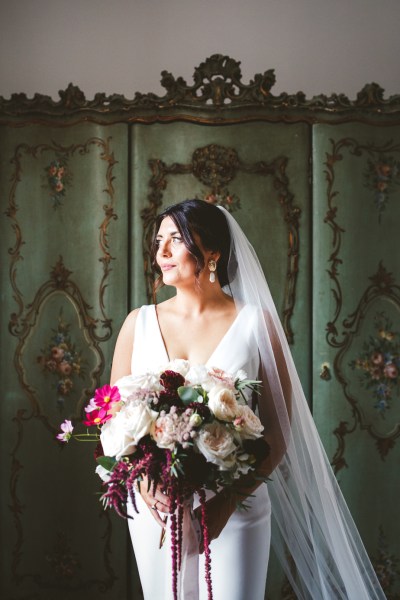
177 240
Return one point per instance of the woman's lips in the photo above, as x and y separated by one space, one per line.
167 267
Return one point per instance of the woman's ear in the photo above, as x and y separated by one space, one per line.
214 255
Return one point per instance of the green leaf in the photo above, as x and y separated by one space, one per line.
108 462
188 394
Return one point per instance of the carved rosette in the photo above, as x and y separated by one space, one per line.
217 166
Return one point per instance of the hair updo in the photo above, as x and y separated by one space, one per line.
209 223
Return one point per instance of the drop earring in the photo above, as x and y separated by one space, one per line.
212 265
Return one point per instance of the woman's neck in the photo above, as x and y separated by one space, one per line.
200 298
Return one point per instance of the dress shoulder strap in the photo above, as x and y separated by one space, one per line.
147 353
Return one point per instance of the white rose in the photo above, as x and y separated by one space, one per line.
163 431
179 365
222 402
121 434
130 384
247 423
216 444
198 375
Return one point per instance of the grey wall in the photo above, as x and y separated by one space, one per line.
122 45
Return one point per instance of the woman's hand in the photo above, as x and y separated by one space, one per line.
157 502
219 509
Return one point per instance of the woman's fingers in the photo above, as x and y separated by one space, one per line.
156 501
156 516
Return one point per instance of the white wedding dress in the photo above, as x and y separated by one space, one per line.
239 557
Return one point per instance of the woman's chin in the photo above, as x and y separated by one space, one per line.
169 279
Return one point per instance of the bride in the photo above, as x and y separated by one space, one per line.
223 316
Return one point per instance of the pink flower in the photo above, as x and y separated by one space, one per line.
51 365
164 432
377 358
67 429
376 373
247 423
106 396
64 367
96 417
383 169
57 353
221 376
59 186
391 371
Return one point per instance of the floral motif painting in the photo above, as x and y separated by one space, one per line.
379 363
386 566
61 359
64 562
57 178
381 176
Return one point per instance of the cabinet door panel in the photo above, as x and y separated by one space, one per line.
260 172
64 295
257 170
357 323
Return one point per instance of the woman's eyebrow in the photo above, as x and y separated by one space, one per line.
169 233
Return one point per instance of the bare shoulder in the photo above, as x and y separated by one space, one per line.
124 347
131 317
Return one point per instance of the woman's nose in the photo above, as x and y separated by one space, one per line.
165 249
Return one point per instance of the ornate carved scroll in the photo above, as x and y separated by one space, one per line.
217 85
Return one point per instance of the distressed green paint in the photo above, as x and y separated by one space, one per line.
56 529
356 271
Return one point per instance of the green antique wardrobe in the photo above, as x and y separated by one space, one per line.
315 183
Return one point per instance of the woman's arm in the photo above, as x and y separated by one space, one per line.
157 502
276 432
121 364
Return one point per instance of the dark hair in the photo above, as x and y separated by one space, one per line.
209 223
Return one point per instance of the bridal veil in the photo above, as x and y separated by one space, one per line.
314 535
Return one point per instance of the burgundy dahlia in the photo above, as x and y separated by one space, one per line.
167 399
171 380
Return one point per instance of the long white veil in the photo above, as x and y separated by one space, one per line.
312 526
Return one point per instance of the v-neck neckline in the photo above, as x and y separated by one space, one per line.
231 326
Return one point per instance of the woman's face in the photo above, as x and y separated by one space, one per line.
175 261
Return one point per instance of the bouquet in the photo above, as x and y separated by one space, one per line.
186 429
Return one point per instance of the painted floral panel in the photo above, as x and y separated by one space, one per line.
381 177
61 359
379 363
56 179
